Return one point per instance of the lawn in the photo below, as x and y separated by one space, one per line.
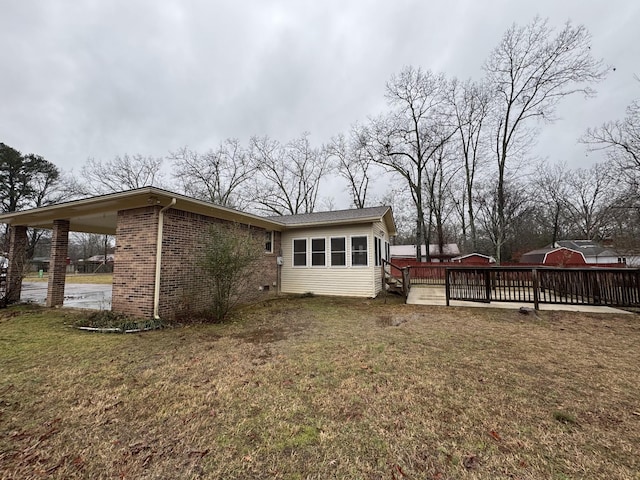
92 278
324 388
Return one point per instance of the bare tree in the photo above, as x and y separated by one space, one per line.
470 103
411 134
439 176
590 195
516 211
621 141
122 173
551 181
287 176
217 176
354 156
530 72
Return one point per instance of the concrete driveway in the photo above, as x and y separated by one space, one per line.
78 295
436 295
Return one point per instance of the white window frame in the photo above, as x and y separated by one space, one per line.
324 265
270 250
351 251
377 251
344 252
306 252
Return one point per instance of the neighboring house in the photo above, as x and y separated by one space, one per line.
554 256
408 252
100 258
159 239
474 259
95 264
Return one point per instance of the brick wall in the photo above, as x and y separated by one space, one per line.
183 285
135 261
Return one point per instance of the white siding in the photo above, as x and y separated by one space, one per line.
380 230
350 280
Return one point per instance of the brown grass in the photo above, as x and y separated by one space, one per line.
324 388
90 278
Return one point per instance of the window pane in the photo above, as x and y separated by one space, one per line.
359 251
318 259
300 245
338 252
300 252
268 242
338 259
338 244
359 258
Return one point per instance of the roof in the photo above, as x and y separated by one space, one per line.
588 248
340 217
99 214
468 255
409 251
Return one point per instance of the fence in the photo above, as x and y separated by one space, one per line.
3 282
617 287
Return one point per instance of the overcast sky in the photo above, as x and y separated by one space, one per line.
103 78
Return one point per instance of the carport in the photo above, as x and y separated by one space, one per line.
144 221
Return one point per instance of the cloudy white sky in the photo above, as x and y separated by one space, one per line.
102 78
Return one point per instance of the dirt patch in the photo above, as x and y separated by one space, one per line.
263 335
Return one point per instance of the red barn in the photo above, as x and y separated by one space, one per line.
474 259
558 257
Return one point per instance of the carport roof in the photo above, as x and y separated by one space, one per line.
99 214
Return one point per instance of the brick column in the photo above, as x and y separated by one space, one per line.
58 263
17 259
135 264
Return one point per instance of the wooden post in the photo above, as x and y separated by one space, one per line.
406 281
487 286
446 285
536 297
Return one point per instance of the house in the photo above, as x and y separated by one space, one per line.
159 238
555 256
474 259
408 252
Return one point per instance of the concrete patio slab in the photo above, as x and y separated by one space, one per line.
78 295
436 295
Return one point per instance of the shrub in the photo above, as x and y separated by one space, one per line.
231 251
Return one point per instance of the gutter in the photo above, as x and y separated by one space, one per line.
156 290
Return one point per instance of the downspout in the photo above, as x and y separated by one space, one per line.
156 291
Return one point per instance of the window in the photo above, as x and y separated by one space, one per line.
268 242
338 252
359 251
378 251
300 252
387 254
318 252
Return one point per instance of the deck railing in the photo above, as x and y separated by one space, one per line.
398 272
618 287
